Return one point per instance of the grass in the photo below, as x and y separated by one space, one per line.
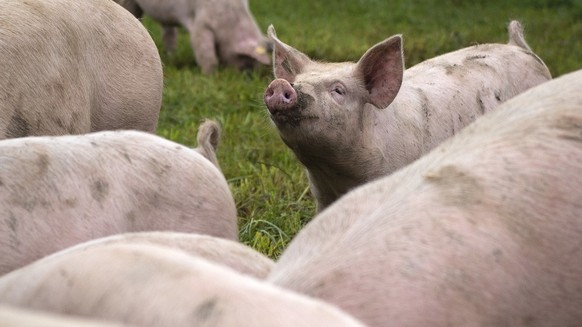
268 184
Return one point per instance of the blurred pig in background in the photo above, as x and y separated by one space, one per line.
221 31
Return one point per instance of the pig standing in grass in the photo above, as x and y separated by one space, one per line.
147 285
220 30
233 254
60 191
73 67
350 123
485 230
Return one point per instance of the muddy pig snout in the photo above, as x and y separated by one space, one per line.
280 95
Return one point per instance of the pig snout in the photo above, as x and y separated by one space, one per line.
280 96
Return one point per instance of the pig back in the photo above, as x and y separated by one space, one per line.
230 253
17 317
450 91
147 285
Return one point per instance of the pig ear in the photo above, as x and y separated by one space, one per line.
287 61
381 68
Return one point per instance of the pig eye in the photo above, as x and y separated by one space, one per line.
339 90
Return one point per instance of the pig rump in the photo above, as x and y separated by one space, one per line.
73 67
59 191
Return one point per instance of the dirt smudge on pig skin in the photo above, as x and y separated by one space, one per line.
18 126
99 190
456 186
207 311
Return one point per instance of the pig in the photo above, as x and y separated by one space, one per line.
221 31
484 230
16 317
75 67
351 123
63 190
147 285
232 254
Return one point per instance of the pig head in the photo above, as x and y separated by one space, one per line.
240 44
350 123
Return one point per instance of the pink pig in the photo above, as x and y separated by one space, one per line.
220 30
74 67
350 123
59 191
484 230
229 253
148 285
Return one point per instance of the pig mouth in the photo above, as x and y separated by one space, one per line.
293 119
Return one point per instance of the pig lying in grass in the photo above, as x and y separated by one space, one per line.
15 317
350 123
60 191
147 285
73 67
484 230
225 252
220 30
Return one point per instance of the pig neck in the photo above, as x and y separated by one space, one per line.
387 140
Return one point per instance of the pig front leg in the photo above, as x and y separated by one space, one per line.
203 45
169 38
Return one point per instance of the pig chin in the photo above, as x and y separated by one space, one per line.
292 119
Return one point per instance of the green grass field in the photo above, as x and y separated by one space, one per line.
269 185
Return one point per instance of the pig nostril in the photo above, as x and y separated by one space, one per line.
279 96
